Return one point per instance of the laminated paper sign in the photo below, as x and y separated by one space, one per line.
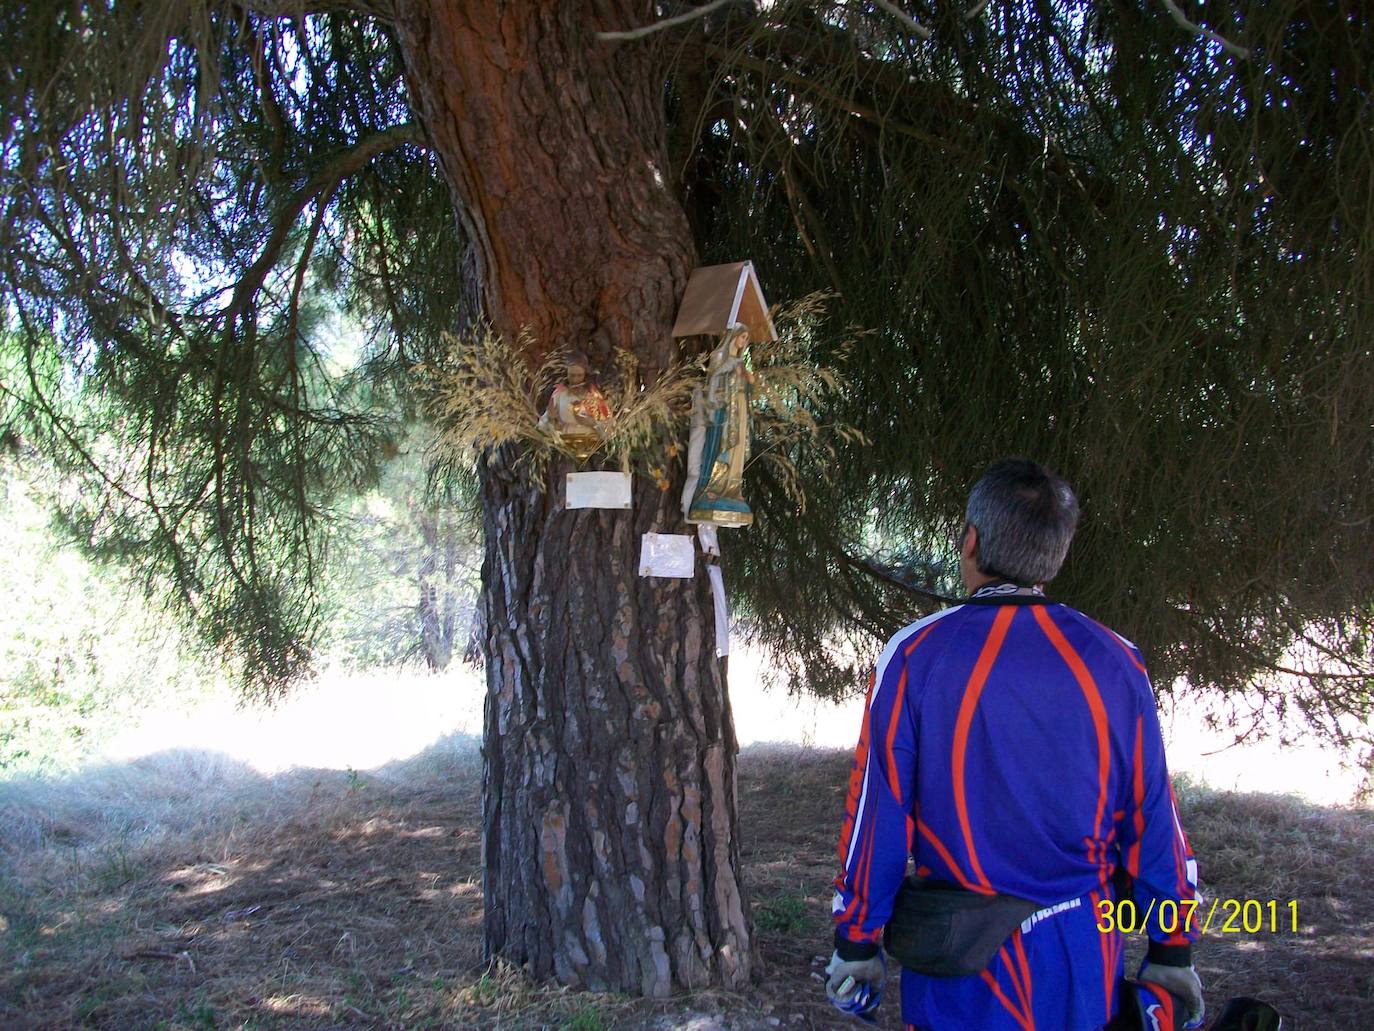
599 490
667 554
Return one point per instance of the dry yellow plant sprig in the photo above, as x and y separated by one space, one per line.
790 386
645 417
487 395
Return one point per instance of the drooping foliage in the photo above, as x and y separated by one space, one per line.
189 190
1076 230
1083 235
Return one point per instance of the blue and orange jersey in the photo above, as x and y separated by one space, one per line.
1011 744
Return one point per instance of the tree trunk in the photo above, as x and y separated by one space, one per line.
437 606
611 845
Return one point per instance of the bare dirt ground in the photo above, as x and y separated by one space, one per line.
354 901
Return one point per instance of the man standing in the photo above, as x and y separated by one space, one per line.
1011 745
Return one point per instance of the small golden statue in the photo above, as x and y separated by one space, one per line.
577 410
719 444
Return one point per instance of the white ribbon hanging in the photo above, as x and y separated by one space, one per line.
722 611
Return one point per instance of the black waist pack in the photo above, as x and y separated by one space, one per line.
941 930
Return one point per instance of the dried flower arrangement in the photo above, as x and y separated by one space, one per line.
487 394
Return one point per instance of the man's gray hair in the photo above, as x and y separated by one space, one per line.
1025 516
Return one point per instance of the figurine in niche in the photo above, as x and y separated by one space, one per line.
719 443
577 410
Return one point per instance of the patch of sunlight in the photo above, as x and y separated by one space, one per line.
205 887
341 720
296 1005
767 717
1305 766
365 720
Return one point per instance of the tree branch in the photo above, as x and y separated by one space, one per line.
965 125
325 178
873 569
810 228
758 64
1177 14
904 18
300 8
666 23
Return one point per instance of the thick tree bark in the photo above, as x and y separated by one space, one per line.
611 845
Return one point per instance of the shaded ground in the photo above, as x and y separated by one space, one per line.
360 907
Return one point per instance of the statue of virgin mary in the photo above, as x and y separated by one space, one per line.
718 449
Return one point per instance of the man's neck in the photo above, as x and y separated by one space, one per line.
974 580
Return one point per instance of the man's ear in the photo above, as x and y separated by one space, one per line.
969 547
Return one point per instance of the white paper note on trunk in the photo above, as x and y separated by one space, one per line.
667 554
599 490
722 611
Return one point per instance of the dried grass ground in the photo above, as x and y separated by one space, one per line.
353 901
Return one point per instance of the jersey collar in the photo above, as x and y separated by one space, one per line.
1005 592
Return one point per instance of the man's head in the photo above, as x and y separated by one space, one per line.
1019 522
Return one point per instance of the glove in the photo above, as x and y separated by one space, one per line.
1180 981
856 986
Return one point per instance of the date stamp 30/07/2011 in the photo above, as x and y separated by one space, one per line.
1222 916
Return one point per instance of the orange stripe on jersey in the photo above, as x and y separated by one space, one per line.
1104 946
856 781
1180 856
1138 794
1017 985
1097 853
1180 840
865 870
1088 686
906 652
1120 644
863 892
949 859
1025 971
1185 890
896 709
972 690
1163 1000
892 722
856 889
1002 997
860 885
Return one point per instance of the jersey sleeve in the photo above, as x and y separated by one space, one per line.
875 840
1154 849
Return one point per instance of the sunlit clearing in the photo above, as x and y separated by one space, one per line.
342 720
350 720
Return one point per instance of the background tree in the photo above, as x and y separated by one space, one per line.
403 579
1097 233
